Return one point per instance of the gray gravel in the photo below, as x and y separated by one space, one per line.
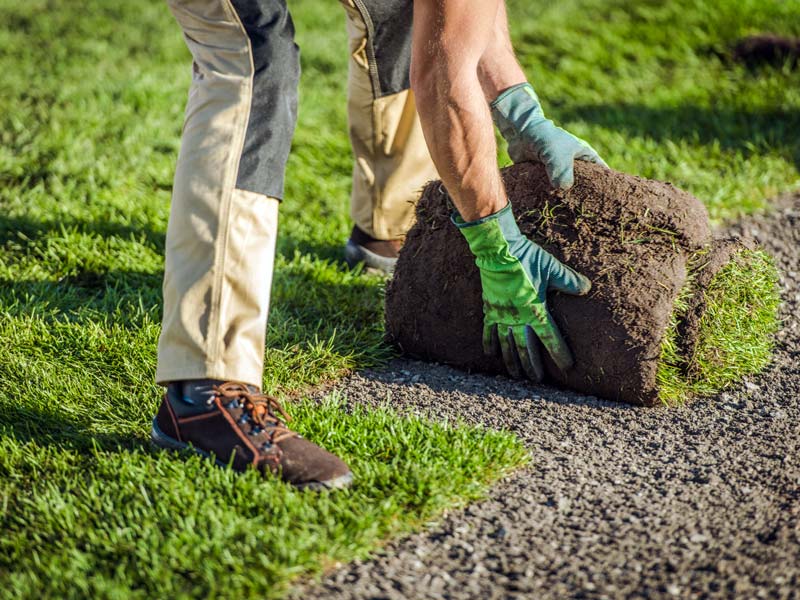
701 501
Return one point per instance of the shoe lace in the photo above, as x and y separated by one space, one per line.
259 407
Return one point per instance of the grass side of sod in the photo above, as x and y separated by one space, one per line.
90 119
736 334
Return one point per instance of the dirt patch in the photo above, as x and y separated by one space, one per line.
631 236
767 49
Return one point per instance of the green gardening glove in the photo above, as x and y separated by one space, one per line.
532 137
516 275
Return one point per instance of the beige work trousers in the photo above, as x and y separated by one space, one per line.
391 159
220 245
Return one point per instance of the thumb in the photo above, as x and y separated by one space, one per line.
569 281
589 154
560 170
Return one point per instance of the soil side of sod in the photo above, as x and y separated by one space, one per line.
631 236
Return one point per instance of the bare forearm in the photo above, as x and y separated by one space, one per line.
498 68
450 37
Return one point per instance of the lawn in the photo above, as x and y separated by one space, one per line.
91 104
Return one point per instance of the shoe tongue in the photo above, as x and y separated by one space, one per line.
199 392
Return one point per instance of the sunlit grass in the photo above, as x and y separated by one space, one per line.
736 334
91 112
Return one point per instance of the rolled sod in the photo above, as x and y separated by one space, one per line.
673 313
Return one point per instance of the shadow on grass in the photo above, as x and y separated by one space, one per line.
24 231
57 429
82 295
334 253
750 132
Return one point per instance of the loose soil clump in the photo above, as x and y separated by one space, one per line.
767 49
637 240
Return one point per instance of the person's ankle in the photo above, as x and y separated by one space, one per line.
192 396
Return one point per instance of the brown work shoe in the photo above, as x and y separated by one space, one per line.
377 255
239 425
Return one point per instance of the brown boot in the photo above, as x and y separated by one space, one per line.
377 255
237 424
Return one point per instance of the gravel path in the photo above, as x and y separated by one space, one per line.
701 501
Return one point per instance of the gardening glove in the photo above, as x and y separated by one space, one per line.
516 275
532 137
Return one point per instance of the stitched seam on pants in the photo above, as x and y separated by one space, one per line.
232 174
373 65
377 148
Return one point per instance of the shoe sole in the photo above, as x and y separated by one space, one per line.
164 442
355 255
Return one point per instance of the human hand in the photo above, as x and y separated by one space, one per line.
516 275
532 137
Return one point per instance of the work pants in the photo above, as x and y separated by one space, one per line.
239 121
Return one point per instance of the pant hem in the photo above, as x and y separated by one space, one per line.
163 377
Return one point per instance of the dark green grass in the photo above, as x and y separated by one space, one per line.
90 118
736 331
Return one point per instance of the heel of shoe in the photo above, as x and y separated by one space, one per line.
373 263
162 440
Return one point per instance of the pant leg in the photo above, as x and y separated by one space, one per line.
392 163
220 247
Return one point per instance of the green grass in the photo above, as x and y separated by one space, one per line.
649 85
90 119
83 516
736 330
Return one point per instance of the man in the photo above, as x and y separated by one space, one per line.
229 180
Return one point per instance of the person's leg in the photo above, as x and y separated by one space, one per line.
239 122
392 163
220 248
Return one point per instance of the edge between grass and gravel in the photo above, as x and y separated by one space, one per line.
114 518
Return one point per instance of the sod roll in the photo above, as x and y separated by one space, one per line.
642 335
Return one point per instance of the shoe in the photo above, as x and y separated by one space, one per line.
377 255
238 425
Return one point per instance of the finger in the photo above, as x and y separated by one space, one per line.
589 154
521 346
491 343
536 368
510 358
547 332
563 278
560 171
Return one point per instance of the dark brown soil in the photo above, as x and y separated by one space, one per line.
631 236
767 49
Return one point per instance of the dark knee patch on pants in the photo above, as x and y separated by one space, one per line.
273 108
388 43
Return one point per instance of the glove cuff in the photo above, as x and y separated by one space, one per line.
459 222
514 107
489 235
512 93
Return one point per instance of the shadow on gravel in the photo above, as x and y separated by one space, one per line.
406 375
